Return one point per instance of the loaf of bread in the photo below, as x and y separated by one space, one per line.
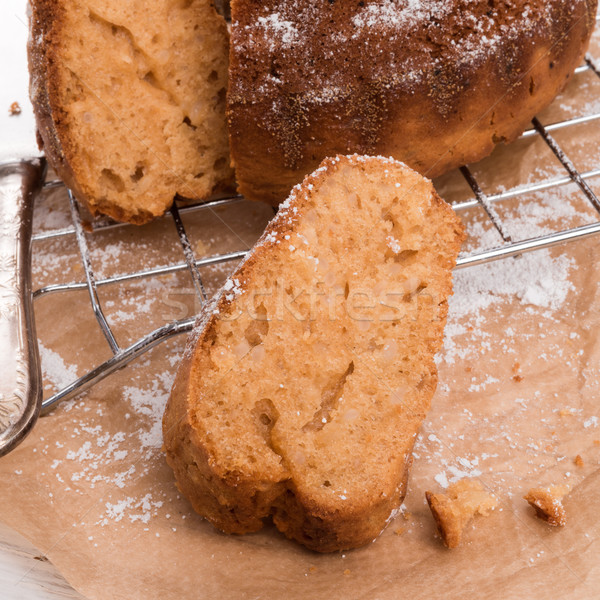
129 98
433 83
305 381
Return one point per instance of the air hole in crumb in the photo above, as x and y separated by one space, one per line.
330 398
265 416
187 122
391 223
111 180
346 291
258 328
327 483
150 78
220 163
409 296
138 173
199 175
405 255
213 76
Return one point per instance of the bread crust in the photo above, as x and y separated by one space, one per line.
46 22
414 97
237 502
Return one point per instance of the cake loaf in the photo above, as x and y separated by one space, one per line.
306 380
129 98
433 83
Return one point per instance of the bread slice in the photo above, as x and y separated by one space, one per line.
129 98
306 380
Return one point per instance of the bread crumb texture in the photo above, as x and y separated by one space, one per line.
130 100
454 509
548 504
306 380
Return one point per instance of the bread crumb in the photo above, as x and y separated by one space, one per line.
202 248
579 461
596 442
565 412
347 571
312 569
14 109
517 378
455 508
399 530
548 504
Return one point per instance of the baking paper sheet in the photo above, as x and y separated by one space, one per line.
518 401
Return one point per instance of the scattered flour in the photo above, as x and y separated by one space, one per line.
151 402
54 369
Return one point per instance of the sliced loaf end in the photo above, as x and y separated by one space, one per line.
130 101
306 380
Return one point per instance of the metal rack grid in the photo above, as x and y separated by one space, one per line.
122 356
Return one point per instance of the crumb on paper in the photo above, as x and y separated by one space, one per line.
202 248
457 506
579 461
14 109
548 504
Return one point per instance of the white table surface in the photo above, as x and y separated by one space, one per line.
25 574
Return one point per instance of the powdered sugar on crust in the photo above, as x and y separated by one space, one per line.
391 14
395 43
279 31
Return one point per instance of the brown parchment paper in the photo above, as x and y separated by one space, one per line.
518 400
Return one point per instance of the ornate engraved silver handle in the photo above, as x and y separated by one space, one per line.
20 375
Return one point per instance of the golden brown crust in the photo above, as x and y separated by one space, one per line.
237 499
45 23
410 92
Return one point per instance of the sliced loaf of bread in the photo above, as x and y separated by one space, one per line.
129 98
306 379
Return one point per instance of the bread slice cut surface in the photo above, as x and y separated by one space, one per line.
129 99
306 380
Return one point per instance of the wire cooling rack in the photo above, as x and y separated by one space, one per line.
121 356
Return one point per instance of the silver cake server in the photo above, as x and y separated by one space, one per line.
22 171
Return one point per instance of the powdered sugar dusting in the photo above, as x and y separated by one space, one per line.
280 31
54 368
391 14
319 37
